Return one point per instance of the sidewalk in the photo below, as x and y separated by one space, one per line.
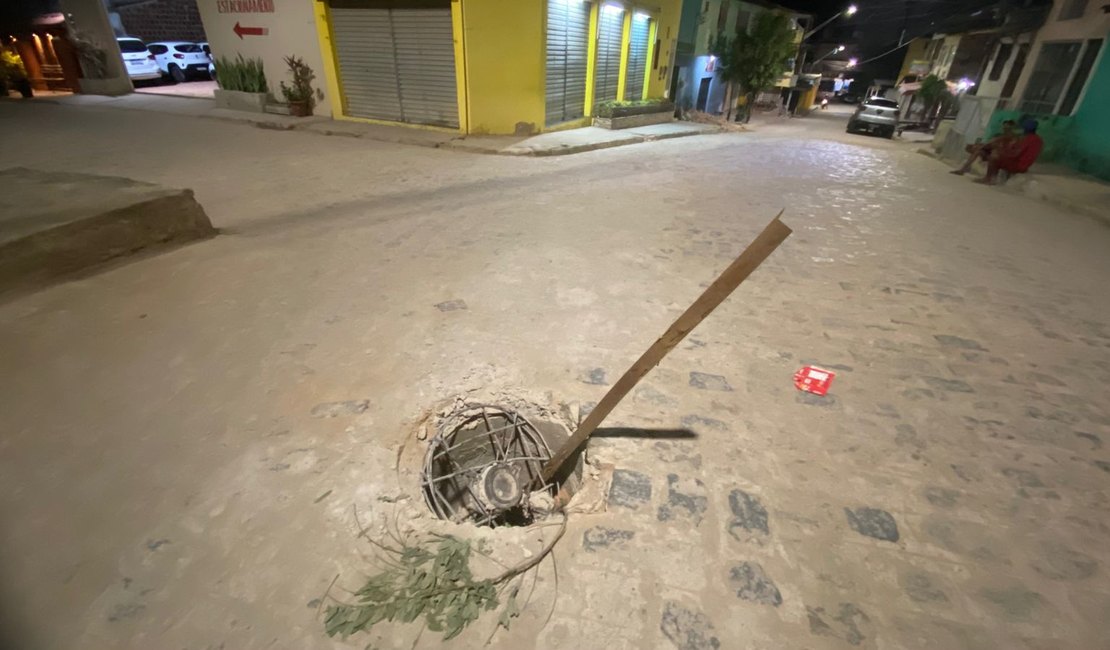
1054 184
1065 188
590 138
187 106
556 143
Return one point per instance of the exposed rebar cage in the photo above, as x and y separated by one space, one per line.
484 465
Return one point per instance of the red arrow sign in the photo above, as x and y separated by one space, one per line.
249 31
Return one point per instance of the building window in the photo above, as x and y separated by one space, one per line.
1059 76
1000 60
941 53
743 18
722 16
951 57
1072 9
1079 79
1015 70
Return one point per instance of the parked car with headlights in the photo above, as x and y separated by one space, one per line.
875 115
140 63
180 60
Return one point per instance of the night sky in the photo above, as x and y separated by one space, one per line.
876 28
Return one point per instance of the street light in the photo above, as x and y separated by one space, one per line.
852 62
848 11
835 50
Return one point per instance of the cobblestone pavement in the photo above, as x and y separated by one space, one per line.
185 435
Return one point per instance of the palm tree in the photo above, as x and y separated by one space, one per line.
936 96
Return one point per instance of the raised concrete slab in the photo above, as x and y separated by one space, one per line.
53 224
590 138
673 130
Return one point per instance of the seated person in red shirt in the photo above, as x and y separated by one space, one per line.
1018 158
984 150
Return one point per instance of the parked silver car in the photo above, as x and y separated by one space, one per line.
875 115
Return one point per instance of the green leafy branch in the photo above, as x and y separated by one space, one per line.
431 578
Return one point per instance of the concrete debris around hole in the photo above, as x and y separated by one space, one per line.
593 491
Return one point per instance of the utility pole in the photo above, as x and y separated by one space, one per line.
905 22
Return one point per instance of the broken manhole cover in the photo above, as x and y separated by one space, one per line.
484 465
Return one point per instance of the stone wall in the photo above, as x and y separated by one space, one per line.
163 20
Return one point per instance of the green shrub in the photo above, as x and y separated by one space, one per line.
637 107
241 74
11 67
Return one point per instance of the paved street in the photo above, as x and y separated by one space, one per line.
184 435
197 88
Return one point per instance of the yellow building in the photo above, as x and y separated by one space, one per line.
492 66
915 62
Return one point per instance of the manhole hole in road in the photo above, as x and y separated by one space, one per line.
484 465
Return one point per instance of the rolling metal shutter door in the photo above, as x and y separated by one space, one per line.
367 69
638 42
425 47
568 36
396 63
610 29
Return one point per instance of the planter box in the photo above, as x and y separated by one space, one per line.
240 101
630 121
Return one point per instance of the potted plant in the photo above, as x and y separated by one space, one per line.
13 75
242 84
299 94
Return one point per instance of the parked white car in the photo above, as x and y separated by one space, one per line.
180 60
140 63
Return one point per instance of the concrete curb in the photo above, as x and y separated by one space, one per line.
398 139
328 127
566 150
1029 189
578 148
681 134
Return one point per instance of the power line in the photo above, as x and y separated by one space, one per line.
894 49
940 18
